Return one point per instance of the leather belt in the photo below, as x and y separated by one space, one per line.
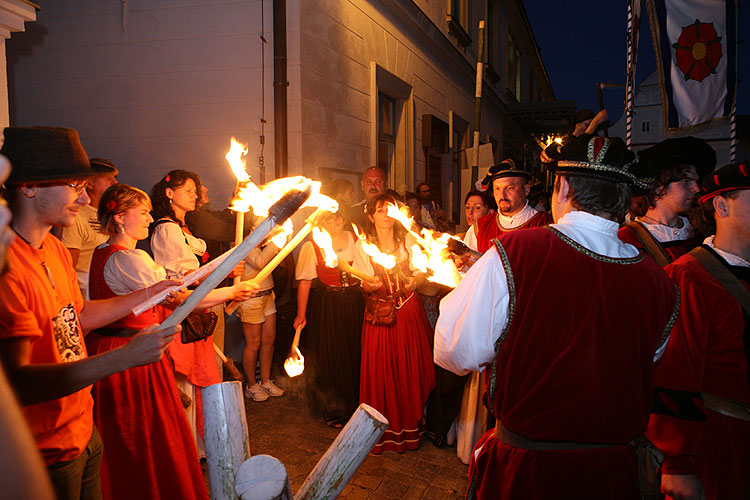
726 407
338 288
513 439
264 292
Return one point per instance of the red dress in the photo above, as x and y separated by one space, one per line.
397 373
149 451
708 351
578 372
488 228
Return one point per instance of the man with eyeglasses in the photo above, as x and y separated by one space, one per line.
43 317
83 236
373 184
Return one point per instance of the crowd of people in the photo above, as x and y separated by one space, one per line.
578 336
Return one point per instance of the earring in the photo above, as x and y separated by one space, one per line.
121 228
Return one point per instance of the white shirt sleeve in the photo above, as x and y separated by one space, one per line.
130 270
471 238
362 260
170 250
306 263
472 317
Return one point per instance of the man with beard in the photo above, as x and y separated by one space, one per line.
373 184
569 387
677 167
510 187
43 317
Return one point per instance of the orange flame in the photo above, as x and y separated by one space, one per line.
385 260
295 365
279 240
323 239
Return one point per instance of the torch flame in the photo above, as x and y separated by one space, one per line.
385 260
323 239
295 364
235 157
284 231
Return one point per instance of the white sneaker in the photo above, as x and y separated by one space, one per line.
256 392
272 389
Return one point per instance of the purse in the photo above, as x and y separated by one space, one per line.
380 310
199 325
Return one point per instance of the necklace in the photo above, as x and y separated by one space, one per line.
677 226
35 251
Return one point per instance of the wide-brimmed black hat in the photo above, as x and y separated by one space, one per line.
43 154
582 115
605 158
671 153
102 166
728 178
506 168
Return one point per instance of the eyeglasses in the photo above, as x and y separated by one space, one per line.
78 187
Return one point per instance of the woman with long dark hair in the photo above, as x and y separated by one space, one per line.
397 373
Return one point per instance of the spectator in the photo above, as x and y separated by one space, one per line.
373 184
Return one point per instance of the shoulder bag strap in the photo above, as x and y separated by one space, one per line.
723 276
652 245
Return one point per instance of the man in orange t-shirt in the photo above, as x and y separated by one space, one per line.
43 316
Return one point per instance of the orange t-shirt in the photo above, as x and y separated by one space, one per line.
43 307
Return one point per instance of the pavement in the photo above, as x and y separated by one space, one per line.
285 428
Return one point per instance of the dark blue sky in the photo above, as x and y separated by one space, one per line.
583 42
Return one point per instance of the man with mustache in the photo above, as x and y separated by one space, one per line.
510 187
43 317
677 167
373 184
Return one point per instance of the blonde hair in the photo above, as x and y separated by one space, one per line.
118 199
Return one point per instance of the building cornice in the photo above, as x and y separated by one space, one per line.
13 15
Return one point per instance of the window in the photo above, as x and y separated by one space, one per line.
386 133
513 71
646 126
492 41
458 21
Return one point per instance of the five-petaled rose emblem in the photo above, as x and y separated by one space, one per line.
698 50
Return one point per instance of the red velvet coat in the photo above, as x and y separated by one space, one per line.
708 352
487 228
673 250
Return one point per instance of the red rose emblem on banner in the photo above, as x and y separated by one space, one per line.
698 50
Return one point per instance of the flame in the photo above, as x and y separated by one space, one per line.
323 239
385 260
284 231
235 157
430 255
295 365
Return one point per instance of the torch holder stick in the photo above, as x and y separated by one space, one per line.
295 341
310 222
239 229
347 268
263 477
279 213
228 364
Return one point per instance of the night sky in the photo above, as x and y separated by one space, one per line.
583 42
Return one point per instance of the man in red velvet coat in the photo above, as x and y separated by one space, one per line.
570 377
676 167
701 413
510 187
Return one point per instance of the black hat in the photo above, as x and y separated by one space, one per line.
582 115
671 153
506 168
728 178
605 158
45 154
103 166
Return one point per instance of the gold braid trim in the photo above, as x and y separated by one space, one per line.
611 260
668 328
511 310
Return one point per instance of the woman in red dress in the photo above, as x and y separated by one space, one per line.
397 373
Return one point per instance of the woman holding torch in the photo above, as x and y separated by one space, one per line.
397 372
330 307
139 412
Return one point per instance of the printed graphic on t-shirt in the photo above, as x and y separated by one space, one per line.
94 224
67 334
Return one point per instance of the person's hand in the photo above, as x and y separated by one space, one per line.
237 271
161 286
175 298
600 118
244 290
371 286
682 487
300 322
148 345
411 283
544 158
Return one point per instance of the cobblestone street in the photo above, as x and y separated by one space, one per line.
286 429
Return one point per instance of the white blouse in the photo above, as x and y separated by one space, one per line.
307 260
664 233
175 250
473 316
362 260
257 260
506 222
130 270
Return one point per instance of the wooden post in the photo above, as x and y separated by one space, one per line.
239 230
350 448
225 435
263 478
478 103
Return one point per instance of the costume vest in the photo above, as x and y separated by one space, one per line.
332 277
669 251
488 228
98 289
574 363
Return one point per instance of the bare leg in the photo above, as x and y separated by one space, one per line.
266 347
250 353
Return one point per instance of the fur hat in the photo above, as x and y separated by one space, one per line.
42 154
728 178
605 158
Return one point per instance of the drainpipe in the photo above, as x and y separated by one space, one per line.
280 84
